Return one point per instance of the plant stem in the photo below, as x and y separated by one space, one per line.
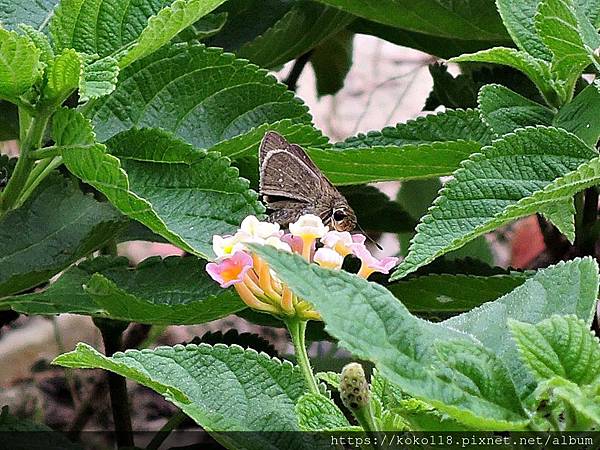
33 139
297 329
163 433
40 171
297 69
112 332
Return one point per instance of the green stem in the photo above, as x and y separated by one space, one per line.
163 433
297 329
40 171
365 418
33 139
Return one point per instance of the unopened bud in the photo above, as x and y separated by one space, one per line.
354 389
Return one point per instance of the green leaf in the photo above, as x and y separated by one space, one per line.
365 165
165 25
261 392
565 31
35 14
20 66
229 97
173 291
580 116
516 176
99 78
318 413
62 224
375 211
583 400
446 368
567 288
560 346
537 70
40 40
331 378
461 20
451 125
204 28
442 294
149 170
504 110
331 61
64 73
442 47
303 27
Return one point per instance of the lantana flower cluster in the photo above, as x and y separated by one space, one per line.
259 287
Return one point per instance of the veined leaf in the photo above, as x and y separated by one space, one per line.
560 346
580 115
144 184
261 391
35 14
319 413
584 400
455 20
504 110
165 25
205 97
20 65
64 73
451 125
567 288
503 183
570 37
365 165
173 291
98 78
62 225
537 70
302 28
446 368
41 41
442 294
331 60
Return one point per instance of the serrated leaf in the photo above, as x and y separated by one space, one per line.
331 378
455 20
173 291
565 31
165 25
442 294
35 14
40 40
99 78
205 97
580 116
567 288
143 183
20 65
537 70
441 366
583 400
562 215
62 225
261 392
560 346
318 413
64 72
366 165
302 28
451 125
204 28
331 60
505 110
516 176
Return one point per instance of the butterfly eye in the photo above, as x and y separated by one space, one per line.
338 215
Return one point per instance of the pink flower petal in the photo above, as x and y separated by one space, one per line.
231 270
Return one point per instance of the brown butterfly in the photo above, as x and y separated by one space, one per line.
292 185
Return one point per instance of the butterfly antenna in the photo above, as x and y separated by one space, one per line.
369 237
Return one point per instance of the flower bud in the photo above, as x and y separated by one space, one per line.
354 389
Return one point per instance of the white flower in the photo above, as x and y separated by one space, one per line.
308 227
328 258
274 241
341 241
257 229
225 247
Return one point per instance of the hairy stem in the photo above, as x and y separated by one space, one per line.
297 329
31 141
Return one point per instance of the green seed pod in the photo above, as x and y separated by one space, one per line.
354 389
